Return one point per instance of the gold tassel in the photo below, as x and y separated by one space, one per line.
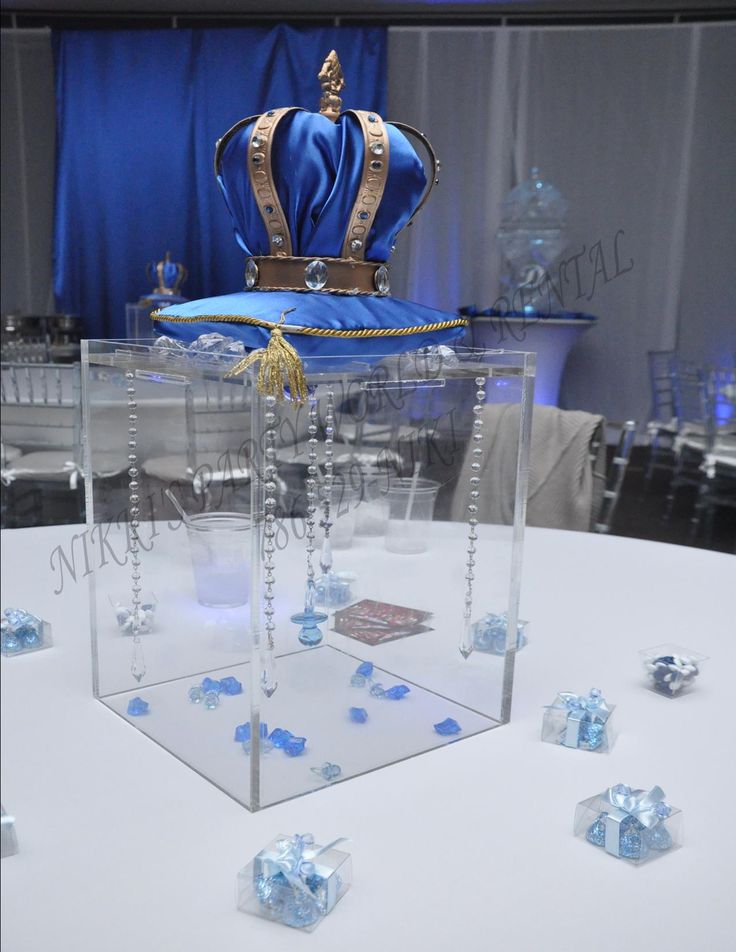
278 360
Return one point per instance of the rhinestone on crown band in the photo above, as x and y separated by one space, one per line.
331 275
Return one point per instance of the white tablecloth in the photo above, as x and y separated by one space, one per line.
124 849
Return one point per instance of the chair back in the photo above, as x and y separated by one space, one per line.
661 372
42 407
615 476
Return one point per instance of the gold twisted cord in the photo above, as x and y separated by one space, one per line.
365 332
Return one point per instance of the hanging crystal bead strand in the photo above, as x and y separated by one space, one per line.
138 662
466 638
309 620
325 558
268 662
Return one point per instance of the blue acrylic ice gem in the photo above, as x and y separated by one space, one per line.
196 694
328 772
365 669
137 706
295 746
447 727
231 686
358 715
357 681
396 692
211 700
279 736
242 734
377 690
209 684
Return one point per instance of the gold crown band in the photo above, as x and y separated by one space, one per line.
330 275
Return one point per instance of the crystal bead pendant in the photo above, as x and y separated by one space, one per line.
315 275
268 679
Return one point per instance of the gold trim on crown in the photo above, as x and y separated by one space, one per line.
262 183
372 183
332 81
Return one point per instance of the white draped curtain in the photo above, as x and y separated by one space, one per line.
636 127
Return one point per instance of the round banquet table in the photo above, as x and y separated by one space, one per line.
470 847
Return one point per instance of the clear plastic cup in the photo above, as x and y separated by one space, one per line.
220 547
345 508
410 514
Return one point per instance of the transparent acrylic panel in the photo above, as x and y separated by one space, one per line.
402 431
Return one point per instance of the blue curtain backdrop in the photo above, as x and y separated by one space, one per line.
138 115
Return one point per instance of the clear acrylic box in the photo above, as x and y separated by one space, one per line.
580 722
178 423
23 632
294 882
671 671
634 825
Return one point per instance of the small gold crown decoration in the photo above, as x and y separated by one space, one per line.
332 81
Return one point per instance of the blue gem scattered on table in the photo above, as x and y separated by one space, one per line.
279 736
447 727
358 715
231 686
365 668
357 681
196 694
209 684
327 771
211 700
396 692
137 706
295 746
242 732
377 690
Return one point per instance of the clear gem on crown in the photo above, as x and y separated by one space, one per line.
377 148
315 275
277 240
356 244
381 280
251 273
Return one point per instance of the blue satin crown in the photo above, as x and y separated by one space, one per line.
317 201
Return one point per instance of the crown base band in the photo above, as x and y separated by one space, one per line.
327 275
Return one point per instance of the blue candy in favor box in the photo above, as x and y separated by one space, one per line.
579 721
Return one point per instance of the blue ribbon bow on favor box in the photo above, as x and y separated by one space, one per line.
648 809
581 709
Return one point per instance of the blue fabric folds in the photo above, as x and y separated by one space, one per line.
138 115
317 166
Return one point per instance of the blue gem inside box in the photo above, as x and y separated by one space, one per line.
635 825
671 671
294 881
580 721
